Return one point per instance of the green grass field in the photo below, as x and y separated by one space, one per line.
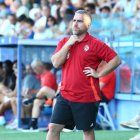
6 134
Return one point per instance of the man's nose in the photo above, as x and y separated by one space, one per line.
75 24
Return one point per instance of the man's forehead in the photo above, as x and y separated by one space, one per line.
78 16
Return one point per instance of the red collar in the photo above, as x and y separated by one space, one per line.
86 38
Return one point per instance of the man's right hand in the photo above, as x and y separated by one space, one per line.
72 40
60 57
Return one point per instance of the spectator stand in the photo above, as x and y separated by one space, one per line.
127 84
8 50
8 45
28 50
25 51
127 95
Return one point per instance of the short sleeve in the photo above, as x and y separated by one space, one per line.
60 44
104 52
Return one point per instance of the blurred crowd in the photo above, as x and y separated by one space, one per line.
39 86
48 19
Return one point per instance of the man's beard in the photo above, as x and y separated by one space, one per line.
78 32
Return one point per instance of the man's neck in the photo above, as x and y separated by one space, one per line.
81 37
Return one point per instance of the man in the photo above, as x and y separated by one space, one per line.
79 55
47 90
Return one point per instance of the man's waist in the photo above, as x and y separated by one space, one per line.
82 99
87 96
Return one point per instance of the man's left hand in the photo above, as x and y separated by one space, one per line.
88 71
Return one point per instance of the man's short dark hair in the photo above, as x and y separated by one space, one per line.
29 21
21 18
91 6
105 8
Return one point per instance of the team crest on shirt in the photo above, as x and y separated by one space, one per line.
86 48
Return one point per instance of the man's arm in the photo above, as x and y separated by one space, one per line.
110 66
59 58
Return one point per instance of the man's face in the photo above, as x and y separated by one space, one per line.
45 11
37 69
79 25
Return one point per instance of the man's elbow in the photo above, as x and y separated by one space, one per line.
55 63
118 60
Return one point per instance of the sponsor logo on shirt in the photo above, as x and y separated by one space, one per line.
86 48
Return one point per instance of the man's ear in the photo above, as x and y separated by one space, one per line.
87 21
88 25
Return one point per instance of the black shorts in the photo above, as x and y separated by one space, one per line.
71 114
